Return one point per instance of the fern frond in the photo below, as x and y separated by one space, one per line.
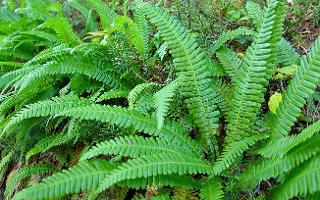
255 13
144 29
45 108
162 100
280 147
132 118
107 16
113 94
151 165
258 67
286 54
63 30
211 190
160 181
301 181
139 91
134 146
300 88
231 35
230 61
266 169
73 66
191 64
4 162
46 143
84 176
233 150
23 173
51 38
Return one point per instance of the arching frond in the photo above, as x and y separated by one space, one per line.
211 189
255 13
134 146
84 176
107 16
258 67
162 100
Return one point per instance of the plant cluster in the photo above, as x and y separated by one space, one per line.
124 103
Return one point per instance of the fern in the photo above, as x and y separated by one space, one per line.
230 61
190 63
45 108
151 165
266 169
257 69
162 101
134 146
286 54
231 35
63 30
46 143
84 176
299 89
112 94
255 13
4 163
280 147
233 151
211 190
107 16
139 91
301 181
23 173
131 118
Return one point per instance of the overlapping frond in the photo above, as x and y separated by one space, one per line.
255 13
23 173
231 35
151 165
134 146
300 88
84 176
258 67
107 16
301 181
124 117
191 65
45 108
211 190
162 100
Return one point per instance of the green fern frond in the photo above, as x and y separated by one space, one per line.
23 173
63 30
51 38
151 165
266 169
255 13
258 67
72 66
113 94
46 143
141 90
233 150
182 193
162 100
144 29
45 108
191 65
11 64
230 61
280 147
286 54
123 117
84 176
231 35
301 181
4 163
160 181
107 16
300 88
134 146
211 190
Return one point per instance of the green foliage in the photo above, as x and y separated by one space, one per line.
145 108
